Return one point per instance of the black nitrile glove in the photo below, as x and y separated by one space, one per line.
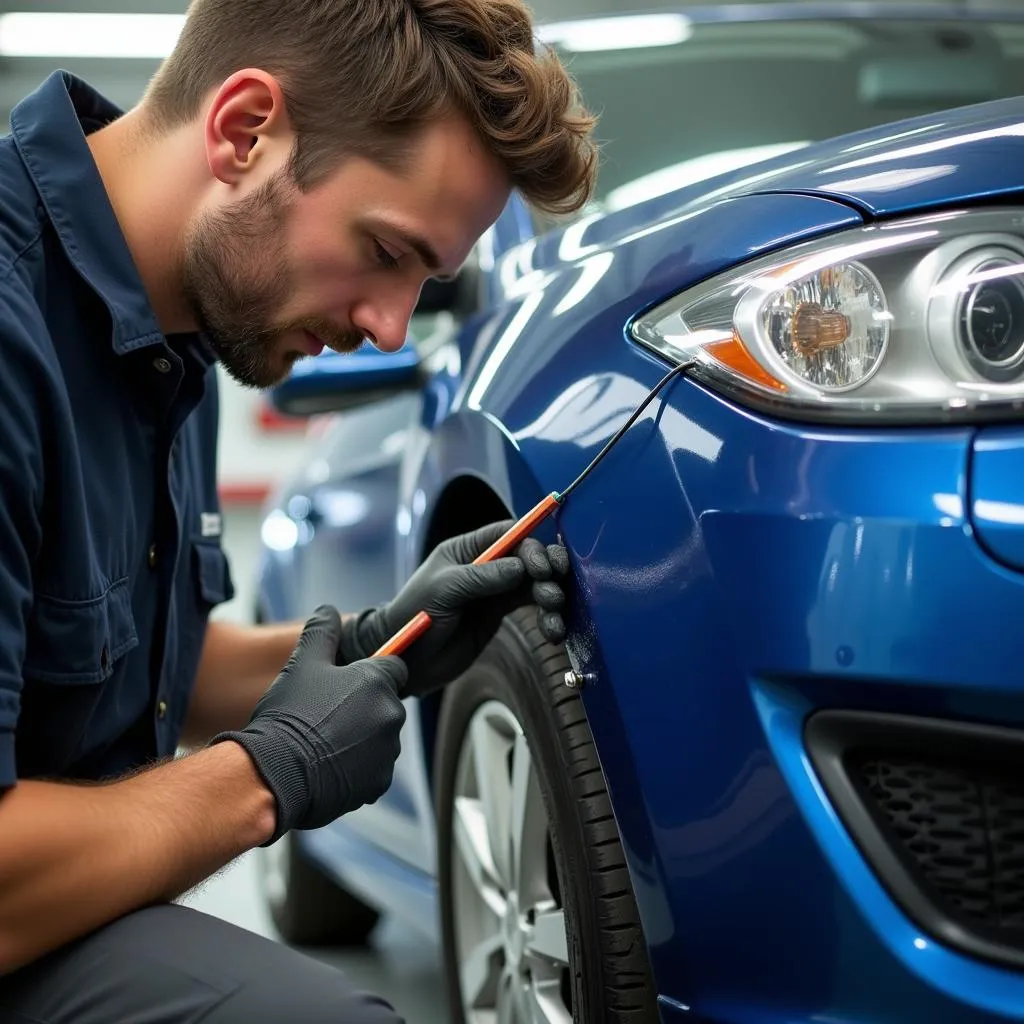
466 603
325 737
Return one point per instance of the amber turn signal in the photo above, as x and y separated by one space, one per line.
733 353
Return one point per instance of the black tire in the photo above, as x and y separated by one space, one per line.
310 909
609 977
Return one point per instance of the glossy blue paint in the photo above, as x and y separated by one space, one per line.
672 1010
997 493
918 978
839 592
964 155
732 574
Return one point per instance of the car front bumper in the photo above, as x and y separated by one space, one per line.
737 577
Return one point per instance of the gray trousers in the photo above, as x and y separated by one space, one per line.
174 965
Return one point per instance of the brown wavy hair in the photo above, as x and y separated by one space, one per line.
360 77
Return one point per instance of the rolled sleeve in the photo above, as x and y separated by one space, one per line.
22 383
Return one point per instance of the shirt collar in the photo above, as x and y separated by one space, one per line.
49 127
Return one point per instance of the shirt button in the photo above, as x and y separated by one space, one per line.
152 556
162 365
161 710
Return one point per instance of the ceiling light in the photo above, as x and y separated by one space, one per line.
45 34
152 36
617 33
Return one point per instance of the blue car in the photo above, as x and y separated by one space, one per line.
776 773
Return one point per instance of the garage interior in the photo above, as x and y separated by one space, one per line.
257 447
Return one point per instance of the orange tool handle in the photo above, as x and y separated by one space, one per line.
520 530
416 627
409 633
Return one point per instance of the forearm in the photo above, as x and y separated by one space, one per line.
238 664
73 858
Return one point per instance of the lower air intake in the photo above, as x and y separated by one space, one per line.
938 810
963 830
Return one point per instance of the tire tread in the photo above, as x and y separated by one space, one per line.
616 985
620 932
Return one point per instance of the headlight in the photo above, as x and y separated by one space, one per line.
920 320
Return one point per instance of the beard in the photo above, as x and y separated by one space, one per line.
236 281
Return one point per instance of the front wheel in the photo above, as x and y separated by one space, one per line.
538 914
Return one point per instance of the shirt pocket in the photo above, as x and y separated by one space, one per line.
79 642
212 572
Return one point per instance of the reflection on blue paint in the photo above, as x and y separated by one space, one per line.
508 338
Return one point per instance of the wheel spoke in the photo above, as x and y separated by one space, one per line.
481 973
490 760
547 939
507 997
541 1003
522 1001
510 933
471 840
529 829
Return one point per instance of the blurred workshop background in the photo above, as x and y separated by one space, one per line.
257 447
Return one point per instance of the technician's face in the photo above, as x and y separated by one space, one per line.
280 274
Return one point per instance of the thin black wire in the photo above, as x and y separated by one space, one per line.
674 372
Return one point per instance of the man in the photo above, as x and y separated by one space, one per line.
294 174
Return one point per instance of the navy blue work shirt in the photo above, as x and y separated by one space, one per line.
110 527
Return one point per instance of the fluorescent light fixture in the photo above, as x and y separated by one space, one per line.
628 32
45 34
152 36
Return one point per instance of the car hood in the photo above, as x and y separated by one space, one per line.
947 159
957 156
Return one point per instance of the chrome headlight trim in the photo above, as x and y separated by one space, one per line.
925 268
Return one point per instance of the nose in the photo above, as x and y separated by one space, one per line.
384 319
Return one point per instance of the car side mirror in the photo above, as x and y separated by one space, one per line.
331 383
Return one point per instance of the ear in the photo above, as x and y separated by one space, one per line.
246 124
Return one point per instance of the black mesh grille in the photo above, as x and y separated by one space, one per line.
961 830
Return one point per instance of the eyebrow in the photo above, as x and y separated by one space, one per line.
426 252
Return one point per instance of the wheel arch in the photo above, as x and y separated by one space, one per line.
466 503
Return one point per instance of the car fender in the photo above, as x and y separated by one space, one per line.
549 378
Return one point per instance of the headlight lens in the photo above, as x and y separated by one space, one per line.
830 328
920 320
991 318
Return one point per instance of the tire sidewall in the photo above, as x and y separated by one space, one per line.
526 675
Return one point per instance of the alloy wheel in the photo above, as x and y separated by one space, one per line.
510 925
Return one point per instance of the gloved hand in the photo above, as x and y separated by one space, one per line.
466 603
325 737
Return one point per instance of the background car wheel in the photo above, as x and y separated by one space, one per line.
307 907
538 913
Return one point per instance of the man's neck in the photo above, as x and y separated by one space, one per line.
152 184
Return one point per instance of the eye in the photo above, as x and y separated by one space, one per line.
384 258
